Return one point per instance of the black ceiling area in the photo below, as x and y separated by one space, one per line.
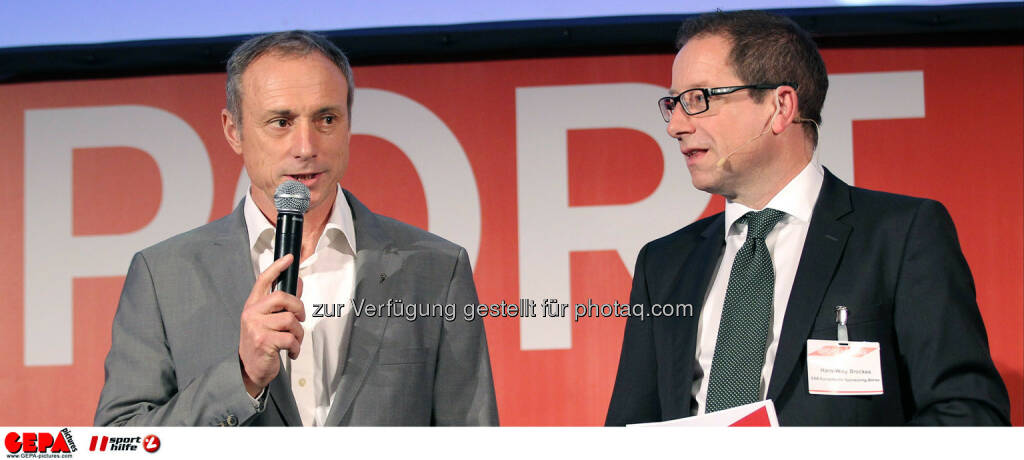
891 26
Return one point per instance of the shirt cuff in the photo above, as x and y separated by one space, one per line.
260 401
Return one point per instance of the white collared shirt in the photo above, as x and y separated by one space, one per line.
785 244
328 277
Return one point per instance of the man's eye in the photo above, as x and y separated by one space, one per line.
329 119
280 123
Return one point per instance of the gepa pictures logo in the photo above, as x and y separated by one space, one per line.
40 442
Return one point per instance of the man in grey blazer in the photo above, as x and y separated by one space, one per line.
199 339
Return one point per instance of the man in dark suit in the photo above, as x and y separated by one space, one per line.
199 339
794 244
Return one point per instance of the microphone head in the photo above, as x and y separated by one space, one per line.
291 197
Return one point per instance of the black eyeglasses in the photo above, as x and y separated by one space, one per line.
695 100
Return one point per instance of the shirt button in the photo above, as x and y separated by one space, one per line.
302 382
231 420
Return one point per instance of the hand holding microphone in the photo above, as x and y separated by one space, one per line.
271 321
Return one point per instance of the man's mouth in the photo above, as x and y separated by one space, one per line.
693 154
306 179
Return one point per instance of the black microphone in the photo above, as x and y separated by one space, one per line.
291 200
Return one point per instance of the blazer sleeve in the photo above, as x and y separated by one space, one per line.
939 330
463 386
141 387
635 395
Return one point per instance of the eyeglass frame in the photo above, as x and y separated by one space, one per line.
708 92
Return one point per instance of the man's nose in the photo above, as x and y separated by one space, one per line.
680 123
304 143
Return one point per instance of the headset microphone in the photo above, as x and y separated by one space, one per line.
721 162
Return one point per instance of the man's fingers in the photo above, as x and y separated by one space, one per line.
279 312
276 302
267 278
293 304
286 322
287 341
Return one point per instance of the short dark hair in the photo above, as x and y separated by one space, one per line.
292 43
767 48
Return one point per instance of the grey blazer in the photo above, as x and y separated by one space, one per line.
174 345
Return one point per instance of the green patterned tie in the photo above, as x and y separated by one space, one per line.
746 319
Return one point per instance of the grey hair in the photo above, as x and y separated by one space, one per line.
292 43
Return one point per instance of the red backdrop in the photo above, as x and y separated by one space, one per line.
966 152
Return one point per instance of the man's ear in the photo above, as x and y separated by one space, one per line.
789 108
232 131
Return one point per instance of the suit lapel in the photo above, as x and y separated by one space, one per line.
823 249
230 256
230 252
691 287
376 260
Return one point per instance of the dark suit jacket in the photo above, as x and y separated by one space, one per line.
893 261
174 348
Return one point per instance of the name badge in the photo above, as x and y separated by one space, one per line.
843 368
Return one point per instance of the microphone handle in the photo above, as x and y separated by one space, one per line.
288 240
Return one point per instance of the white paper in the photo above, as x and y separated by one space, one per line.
726 417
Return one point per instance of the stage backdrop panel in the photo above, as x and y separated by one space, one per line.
551 172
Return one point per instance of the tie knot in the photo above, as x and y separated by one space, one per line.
761 222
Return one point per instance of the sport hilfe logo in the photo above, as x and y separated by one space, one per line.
150 443
40 442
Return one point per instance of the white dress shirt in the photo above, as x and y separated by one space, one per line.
328 277
785 244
